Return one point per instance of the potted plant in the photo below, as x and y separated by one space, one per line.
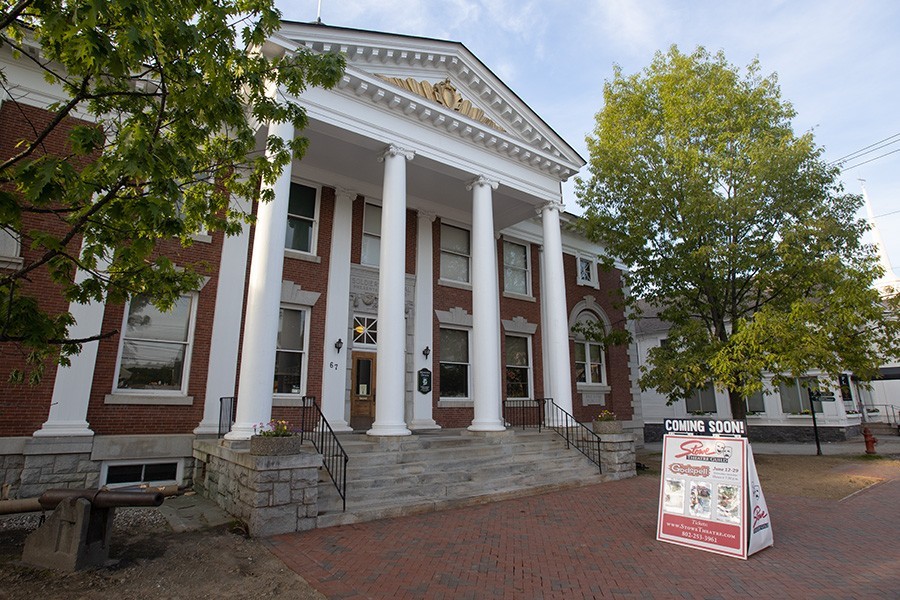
605 423
276 438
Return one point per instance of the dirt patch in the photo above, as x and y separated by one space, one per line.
223 563
154 562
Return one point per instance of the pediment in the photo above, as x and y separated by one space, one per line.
446 94
442 83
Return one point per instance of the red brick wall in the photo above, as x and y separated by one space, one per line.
116 419
24 407
618 375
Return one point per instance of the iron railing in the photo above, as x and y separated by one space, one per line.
881 413
544 413
315 428
226 414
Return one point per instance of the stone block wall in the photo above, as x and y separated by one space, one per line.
617 459
271 494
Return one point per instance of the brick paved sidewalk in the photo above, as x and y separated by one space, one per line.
599 542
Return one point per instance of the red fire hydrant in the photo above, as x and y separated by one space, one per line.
870 440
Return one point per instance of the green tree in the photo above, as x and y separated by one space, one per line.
734 227
169 95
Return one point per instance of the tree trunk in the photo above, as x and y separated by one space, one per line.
738 406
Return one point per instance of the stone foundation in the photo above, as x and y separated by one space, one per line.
271 494
617 460
31 465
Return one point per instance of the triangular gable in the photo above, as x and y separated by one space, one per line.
448 75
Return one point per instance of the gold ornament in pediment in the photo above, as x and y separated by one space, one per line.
443 93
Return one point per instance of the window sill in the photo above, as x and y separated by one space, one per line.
288 400
203 238
517 296
11 262
593 394
460 285
307 256
590 284
149 399
455 403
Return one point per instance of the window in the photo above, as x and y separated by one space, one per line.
518 367
371 238
515 268
301 222
454 363
156 346
756 404
365 330
290 352
702 400
131 474
10 249
454 254
590 359
587 271
795 395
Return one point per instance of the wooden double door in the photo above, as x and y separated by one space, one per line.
362 391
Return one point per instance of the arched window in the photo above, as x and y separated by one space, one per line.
590 357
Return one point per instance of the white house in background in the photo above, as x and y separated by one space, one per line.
781 414
783 411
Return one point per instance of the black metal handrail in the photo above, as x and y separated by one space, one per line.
544 413
315 428
226 414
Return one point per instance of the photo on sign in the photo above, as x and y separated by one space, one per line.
701 499
728 506
673 501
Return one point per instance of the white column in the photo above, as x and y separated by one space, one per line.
556 326
486 363
226 329
254 404
422 416
391 367
72 386
337 314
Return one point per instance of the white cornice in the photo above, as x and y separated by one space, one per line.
529 141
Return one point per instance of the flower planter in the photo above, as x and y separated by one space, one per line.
607 427
268 445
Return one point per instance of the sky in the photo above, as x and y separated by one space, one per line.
838 63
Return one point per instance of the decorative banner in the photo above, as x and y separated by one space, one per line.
705 495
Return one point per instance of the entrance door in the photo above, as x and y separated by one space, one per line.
362 392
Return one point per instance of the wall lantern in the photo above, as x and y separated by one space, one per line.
338 345
426 351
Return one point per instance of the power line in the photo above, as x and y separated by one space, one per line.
865 162
853 154
859 154
887 214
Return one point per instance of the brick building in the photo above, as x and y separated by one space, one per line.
424 229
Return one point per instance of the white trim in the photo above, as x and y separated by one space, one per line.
594 280
468 256
144 395
314 231
157 399
529 294
530 366
456 399
179 472
306 311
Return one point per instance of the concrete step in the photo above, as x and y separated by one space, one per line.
408 506
389 477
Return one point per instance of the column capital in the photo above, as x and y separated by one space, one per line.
482 180
394 150
554 204
342 192
427 214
